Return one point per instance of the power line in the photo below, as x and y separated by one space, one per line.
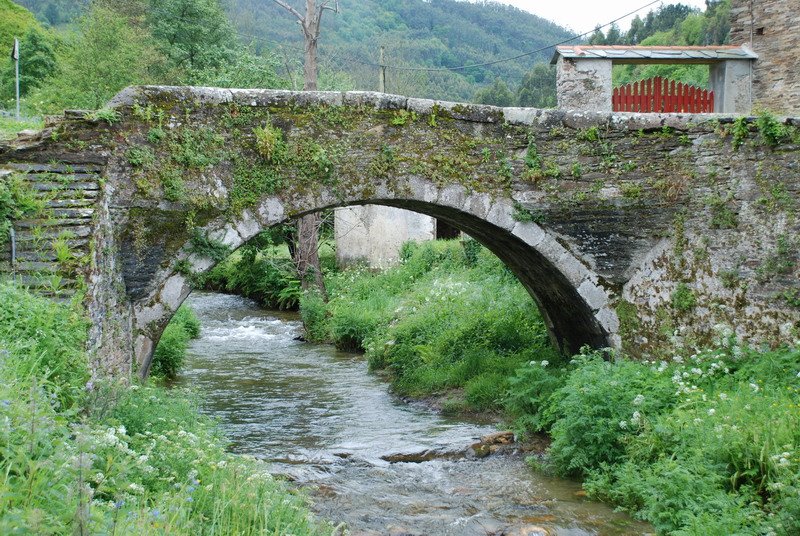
488 63
494 62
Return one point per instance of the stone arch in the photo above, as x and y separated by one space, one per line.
577 309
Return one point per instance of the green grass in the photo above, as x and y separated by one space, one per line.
171 350
449 317
706 444
82 456
9 127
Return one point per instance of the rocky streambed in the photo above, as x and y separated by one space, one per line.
368 460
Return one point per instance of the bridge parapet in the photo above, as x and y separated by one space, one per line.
641 231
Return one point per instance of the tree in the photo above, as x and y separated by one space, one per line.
105 56
311 25
37 62
307 252
497 94
538 87
195 34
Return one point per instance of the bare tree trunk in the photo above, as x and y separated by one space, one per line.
306 255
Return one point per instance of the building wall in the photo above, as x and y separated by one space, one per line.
770 28
374 233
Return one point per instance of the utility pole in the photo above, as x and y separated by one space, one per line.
15 57
382 80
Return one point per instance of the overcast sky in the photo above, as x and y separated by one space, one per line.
583 15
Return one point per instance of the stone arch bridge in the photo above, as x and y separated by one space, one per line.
643 232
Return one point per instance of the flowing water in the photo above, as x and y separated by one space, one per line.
324 422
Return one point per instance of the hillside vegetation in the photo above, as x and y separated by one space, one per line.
97 48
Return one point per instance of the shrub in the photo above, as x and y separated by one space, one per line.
170 353
601 405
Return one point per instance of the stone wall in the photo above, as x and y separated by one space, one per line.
648 232
770 28
584 84
375 234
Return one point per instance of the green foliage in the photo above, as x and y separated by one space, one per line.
497 94
197 148
449 317
722 216
525 215
269 143
106 55
37 62
261 270
401 118
170 353
106 115
532 158
589 134
17 200
46 341
781 261
9 126
772 131
683 298
741 130
706 444
141 157
17 22
92 457
204 246
195 35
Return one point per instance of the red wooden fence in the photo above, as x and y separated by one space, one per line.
660 95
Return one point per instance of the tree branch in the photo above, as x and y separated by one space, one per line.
292 10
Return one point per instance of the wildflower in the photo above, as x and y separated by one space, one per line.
623 424
636 417
545 362
712 411
155 513
119 504
638 400
6 403
754 387
723 396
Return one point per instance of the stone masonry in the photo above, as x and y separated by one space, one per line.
645 232
770 28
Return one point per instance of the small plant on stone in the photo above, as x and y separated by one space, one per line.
683 298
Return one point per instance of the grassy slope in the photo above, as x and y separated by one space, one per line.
83 457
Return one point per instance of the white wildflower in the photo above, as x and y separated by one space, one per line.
638 400
623 424
712 411
545 363
754 387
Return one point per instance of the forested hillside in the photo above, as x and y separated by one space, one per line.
84 51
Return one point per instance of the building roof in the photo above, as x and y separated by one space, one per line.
656 54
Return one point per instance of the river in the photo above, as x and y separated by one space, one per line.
325 423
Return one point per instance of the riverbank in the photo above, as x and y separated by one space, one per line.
79 456
702 442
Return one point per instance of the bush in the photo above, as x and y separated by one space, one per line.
170 353
705 444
